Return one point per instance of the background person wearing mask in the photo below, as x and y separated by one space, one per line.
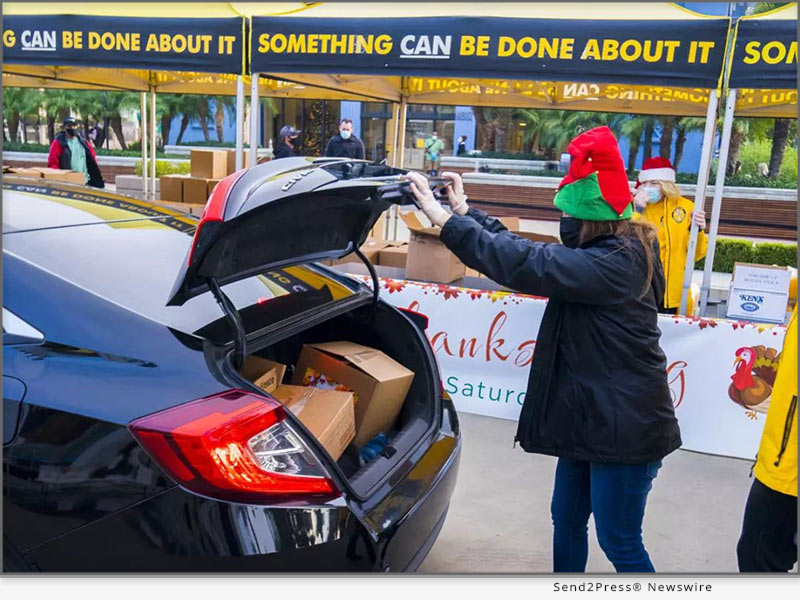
461 149
72 152
287 143
345 144
659 201
768 542
597 395
433 153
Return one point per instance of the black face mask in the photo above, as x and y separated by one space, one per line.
70 131
570 231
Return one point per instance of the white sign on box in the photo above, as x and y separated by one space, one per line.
759 293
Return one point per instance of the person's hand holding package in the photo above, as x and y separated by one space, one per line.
429 205
455 193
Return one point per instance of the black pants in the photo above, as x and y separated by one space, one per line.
769 533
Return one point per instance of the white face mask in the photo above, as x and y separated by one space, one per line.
434 136
345 134
653 194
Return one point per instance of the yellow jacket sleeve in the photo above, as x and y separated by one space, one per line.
702 245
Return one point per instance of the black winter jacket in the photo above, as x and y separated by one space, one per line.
341 148
283 150
597 389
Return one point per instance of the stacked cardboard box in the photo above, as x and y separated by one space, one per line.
428 258
207 169
61 175
23 171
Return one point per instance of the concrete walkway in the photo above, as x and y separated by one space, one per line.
499 519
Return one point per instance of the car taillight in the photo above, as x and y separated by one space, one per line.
234 446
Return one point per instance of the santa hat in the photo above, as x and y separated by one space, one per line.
596 187
656 169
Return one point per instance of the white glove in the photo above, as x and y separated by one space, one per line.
422 191
455 193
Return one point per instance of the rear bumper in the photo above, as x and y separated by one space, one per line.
178 531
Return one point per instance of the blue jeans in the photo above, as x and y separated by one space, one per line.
617 495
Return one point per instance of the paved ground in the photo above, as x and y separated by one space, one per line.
499 518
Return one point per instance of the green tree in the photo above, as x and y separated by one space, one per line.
633 128
20 106
668 126
111 105
685 126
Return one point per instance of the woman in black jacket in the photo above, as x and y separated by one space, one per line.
597 394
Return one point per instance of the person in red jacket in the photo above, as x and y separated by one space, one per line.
72 152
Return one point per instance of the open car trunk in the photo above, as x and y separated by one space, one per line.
381 327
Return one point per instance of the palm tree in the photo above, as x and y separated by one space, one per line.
168 107
686 125
633 129
57 105
222 105
19 105
780 137
111 105
668 125
739 131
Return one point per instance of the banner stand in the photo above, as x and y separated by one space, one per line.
719 184
401 153
700 194
152 145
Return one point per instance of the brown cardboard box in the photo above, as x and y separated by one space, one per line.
171 188
327 414
538 237
195 190
230 160
266 374
393 256
25 172
428 258
212 183
62 175
511 223
209 164
380 384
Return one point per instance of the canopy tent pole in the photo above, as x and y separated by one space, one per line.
393 150
152 143
255 114
401 153
239 122
719 184
700 193
143 140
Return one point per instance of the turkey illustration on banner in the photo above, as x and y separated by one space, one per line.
484 342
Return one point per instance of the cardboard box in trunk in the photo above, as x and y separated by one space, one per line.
195 190
394 256
428 258
329 415
379 383
371 248
209 164
266 374
171 188
230 160
62 175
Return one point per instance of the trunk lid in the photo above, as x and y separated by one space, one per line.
284 212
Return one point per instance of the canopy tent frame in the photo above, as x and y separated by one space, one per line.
784 111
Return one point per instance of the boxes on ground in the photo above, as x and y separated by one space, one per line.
230 160
379 383
24 171
328 414
61 175
171 188
212 183
394 256
428 257
266 374
209 164
195 190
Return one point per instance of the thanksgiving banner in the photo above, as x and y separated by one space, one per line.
720 372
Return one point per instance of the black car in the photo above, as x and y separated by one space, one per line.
128 430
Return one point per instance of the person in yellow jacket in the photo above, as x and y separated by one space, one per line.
768 542
659 201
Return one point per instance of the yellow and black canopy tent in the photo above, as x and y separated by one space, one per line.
762 82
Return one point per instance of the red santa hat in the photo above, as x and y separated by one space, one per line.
656 169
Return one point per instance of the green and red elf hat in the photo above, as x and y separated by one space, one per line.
596 187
